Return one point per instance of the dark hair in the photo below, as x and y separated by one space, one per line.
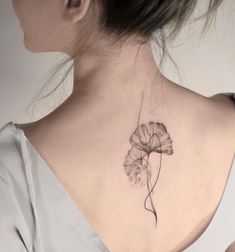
151 19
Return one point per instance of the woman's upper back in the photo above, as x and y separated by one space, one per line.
185 196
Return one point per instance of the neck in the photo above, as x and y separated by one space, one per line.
112 83
117 77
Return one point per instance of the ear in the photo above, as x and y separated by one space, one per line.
75 10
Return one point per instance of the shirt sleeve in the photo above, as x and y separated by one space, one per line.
11 238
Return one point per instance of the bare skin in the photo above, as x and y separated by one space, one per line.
86 139
87 157
231 248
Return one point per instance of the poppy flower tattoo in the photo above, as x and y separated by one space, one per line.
147 138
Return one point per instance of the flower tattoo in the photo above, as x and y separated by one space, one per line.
147 138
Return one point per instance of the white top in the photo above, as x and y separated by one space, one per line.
37 214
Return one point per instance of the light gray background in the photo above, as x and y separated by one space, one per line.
206 65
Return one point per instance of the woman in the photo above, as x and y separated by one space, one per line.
131 161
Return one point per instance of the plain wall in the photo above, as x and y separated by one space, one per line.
206 65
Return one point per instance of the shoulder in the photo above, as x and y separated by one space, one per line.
224 105
11 156
224 100
222 109
212 120
215 113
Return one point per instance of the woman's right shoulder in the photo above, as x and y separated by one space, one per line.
223 104
212 118
222 111
225 100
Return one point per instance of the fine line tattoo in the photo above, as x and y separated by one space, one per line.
147 137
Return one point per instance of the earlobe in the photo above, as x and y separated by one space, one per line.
75 9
